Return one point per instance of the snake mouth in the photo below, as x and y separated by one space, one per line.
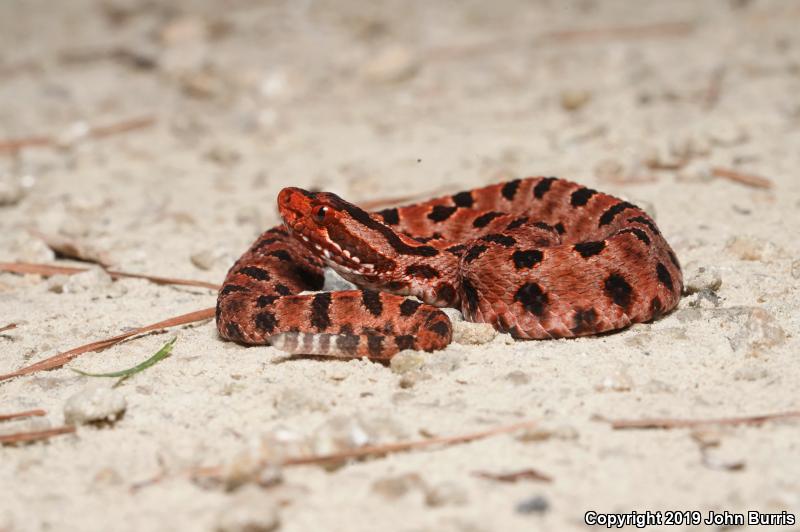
331 253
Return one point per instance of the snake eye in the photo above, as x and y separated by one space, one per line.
319 213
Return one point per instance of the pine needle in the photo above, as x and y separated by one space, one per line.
162 353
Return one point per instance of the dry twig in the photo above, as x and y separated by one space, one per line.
674 423
27 413
751 180
15 145
379 450
48 270
8 327
524 474
22 437
60 359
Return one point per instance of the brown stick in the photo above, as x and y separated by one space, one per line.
21 437
8 327
672 423
525 474
56 361
751 180
28 413
48 270
14 145
388 448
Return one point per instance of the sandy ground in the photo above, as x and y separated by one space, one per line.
398 99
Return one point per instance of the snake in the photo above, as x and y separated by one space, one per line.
537 258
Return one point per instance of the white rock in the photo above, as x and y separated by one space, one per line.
94 403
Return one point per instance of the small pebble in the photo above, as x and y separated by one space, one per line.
445 494
468 333
95 403
391 65
548 431
406 361
572 100
533 505
397 486
250 509
518 377
702 278
796 269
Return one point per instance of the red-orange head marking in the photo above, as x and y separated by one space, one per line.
340 233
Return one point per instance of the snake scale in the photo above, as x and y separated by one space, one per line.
538 258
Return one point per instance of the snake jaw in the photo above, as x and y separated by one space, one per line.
322 223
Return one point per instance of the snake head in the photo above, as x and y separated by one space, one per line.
346 237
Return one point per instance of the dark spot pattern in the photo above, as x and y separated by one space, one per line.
320 311
456 250
231 288
255 272
527 258
375 344
497 238
581 197
584 321
588 249
440 213
361 216
519 222
532 297
674 260
446 292
439 327
426 239
485 219
638 233
470 296
280 254
310 279
324 342
559 227
474 252
656 308
613 211
542 187
644 221
423 271
372 302
404 341
282 289
618 290
265 301
509 190
544 225
234 332
347 343
663 276
264 243
463 199
266 322
409 307
390 216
